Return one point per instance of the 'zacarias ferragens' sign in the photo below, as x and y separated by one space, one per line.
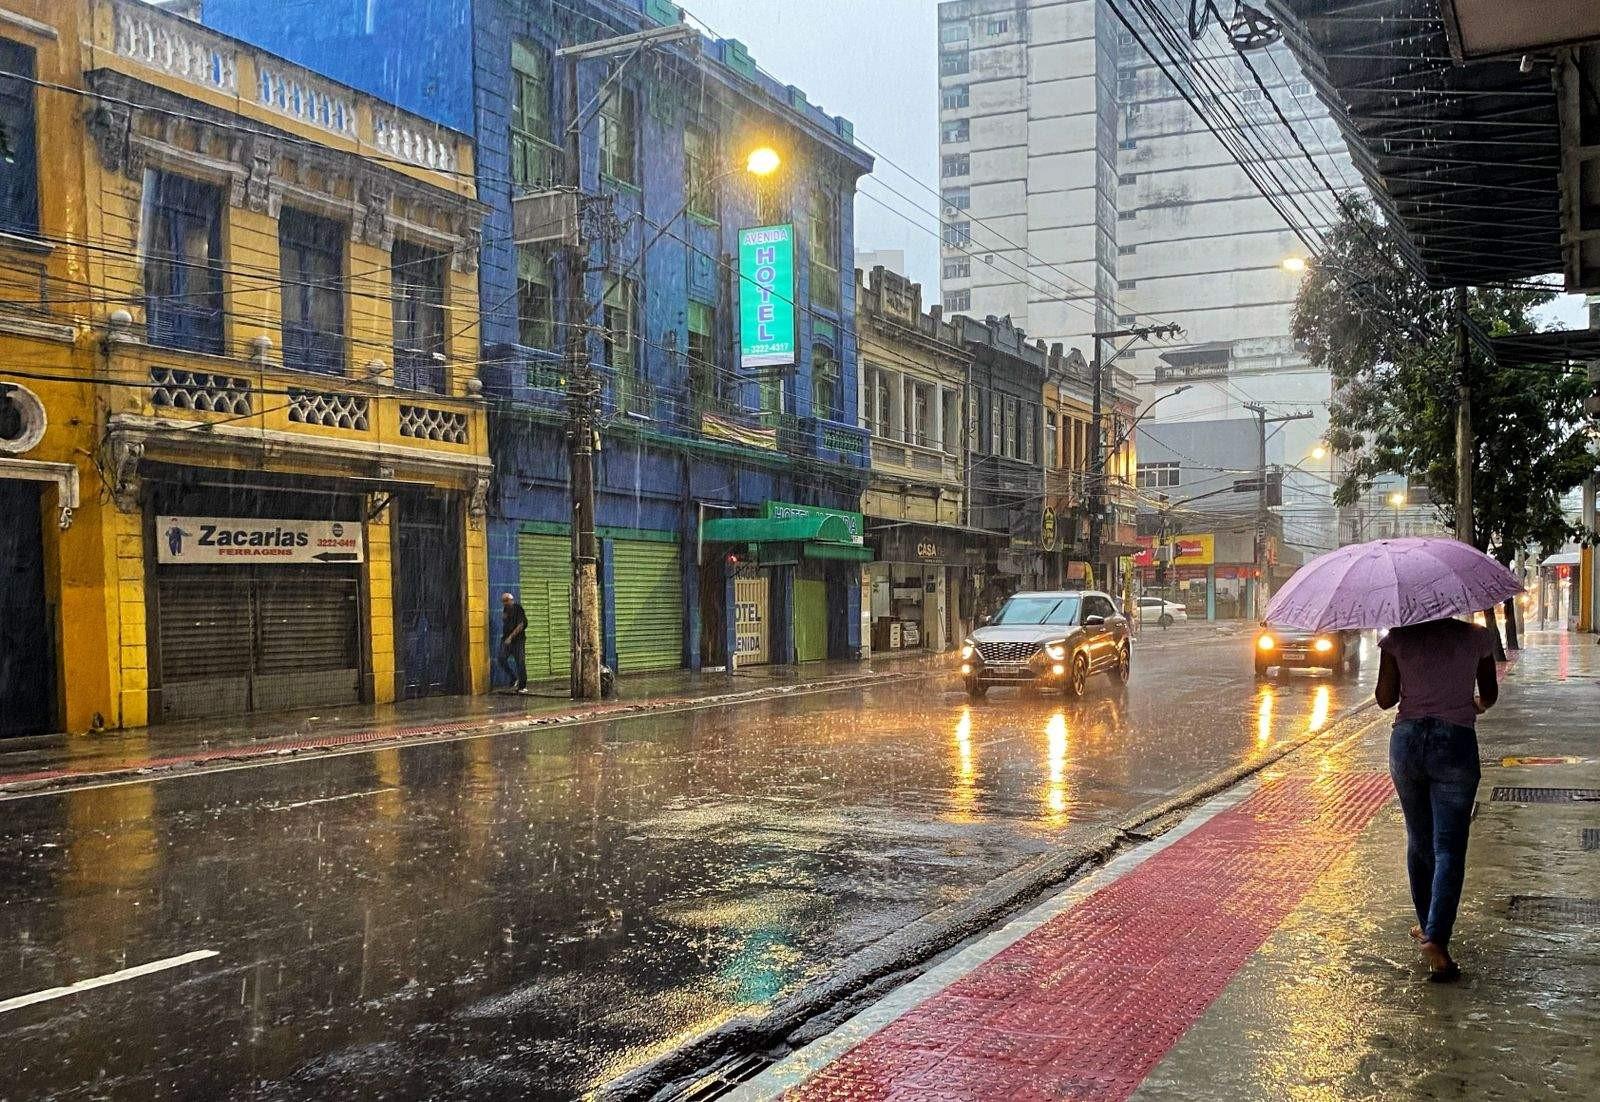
256 541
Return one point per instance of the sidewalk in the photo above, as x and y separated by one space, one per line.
56 761
1259 949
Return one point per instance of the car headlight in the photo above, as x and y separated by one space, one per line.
1266 642
1056 651
1323 646
967 651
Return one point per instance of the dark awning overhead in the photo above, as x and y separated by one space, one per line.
1464 159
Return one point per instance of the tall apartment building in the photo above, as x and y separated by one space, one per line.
1080 191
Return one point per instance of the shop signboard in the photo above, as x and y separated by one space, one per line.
783 510
766 296
1187 550
255 541
913 543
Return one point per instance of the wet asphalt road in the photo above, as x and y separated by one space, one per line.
532 914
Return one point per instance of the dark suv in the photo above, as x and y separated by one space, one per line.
1052 640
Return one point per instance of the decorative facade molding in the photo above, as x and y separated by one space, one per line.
478 502
179 48
427 423
125 456
411 143
372 222
301 96
63 475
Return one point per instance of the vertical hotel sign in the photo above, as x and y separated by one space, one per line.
766 296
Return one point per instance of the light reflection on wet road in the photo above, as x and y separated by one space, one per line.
530 914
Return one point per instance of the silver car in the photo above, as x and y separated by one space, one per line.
1052 640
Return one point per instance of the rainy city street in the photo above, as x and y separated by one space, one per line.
538 913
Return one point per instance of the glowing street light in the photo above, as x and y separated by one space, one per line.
1319 452
1294 264
763 161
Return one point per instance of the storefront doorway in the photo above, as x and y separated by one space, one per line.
27 627
427 595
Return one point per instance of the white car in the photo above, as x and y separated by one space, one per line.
1154 610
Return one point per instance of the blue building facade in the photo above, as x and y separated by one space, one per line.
727 497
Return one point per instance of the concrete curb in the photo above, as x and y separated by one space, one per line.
913 947
220 759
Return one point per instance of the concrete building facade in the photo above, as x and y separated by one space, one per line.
1081 191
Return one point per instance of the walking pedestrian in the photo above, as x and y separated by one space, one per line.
1431 670
514 642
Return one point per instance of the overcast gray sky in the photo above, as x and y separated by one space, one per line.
874 62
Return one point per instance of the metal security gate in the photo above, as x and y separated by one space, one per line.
648 605
752 625
545 564
27 627
249 639
427 595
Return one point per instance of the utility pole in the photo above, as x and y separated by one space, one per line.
1465 528
583 385
1264 585
1099 459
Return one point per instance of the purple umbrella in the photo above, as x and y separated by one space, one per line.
1389 584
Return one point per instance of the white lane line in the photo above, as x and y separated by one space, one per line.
101 981
330 799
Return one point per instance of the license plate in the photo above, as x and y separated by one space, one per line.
1008 671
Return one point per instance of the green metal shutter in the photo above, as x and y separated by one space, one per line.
810 620
546 580
648 581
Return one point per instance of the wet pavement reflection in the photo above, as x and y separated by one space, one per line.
533 914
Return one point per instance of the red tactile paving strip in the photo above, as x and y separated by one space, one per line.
1086 1005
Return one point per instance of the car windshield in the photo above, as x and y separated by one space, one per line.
1038 610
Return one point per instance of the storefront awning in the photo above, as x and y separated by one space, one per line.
818 528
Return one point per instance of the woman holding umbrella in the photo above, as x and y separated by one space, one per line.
1441 673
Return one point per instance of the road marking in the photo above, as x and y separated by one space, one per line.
330 799
81 986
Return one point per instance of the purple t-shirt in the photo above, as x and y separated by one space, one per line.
1438 664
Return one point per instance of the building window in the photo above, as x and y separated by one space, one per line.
1127 215
824 382
619 122
957 302
953 63
958 198
1157 476
1008 430
1127 250
824 251
957 234
183 265
919 426
621 322
417 280
957 164
311 268
1251 94
1052 434
955 98
702 358
1127 284
954 32
536 296
1128 178
952 421
19 167
533 152
880 400
1128 143
1127 319
958 269
1299 89
996 27
1026 440
699 161
957 130
996 404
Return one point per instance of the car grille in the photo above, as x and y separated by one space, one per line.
1012 653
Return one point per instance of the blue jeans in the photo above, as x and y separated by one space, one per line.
1435 769
514 662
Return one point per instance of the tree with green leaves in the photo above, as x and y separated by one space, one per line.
1388 340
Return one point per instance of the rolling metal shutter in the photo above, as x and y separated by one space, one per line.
648 605
810 620
546 582
241 640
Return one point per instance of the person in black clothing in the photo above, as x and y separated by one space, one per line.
514 642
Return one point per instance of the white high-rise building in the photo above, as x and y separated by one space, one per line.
1082 192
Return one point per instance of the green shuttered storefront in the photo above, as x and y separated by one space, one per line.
546 582
647 604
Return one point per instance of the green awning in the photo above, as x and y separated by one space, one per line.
825 529
847 552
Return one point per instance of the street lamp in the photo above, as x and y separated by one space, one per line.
1398 500
762 161
1319 452
1294 265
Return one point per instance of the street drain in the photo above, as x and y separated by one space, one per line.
1504 794
1591 838
723 1079
1554 908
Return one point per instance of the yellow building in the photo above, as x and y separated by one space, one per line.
239 412
1068 454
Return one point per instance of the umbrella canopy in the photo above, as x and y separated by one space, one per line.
1389 584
